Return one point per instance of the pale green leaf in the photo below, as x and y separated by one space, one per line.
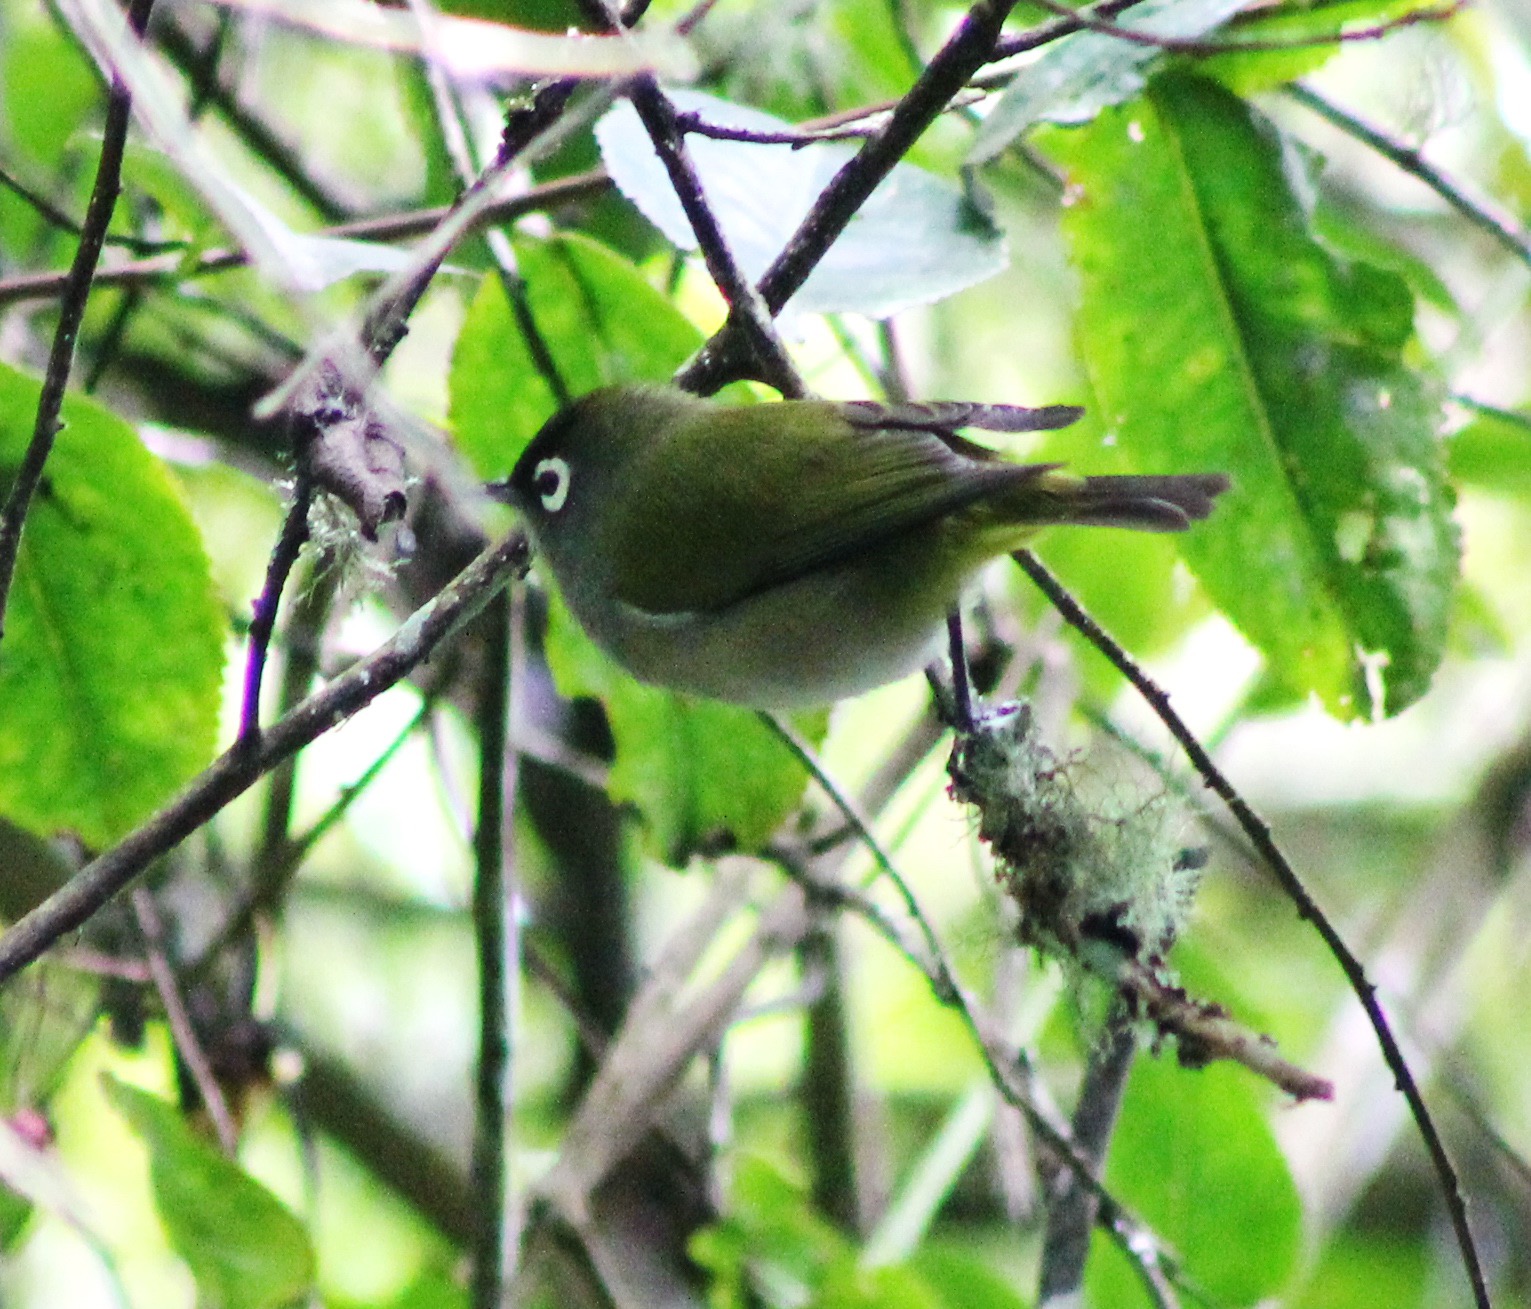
111 666
244 1248
917 240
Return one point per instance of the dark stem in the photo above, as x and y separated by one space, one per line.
969 48
962 687
276 858
187 1043
284 555
746 306
1071 1216
388 227
200 68
827 1092
1259 835
98 216
1478 212
491 918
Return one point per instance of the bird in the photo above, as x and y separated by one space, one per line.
791 554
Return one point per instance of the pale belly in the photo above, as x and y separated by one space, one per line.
804 643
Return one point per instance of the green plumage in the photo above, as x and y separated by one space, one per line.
794 552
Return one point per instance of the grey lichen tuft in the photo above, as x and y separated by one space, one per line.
1096 884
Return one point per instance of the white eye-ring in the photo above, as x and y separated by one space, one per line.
551 481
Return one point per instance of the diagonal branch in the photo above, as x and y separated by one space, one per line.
969 48
240 767
1259 834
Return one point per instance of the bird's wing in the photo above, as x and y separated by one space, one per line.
744 514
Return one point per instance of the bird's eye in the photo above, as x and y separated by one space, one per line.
551 481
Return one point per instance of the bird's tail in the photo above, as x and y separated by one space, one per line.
1148 504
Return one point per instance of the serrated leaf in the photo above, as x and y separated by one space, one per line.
1219 334
244 1248
1194 1156
705 776
1077 77
602 323
917 240
111 665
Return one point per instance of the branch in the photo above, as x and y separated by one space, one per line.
1207 49
969 48
239 768
494 934
76 291
1259 834
1137 1242
1479 213
390 227
284 555
200 68
187 1042
1071 1214
747 307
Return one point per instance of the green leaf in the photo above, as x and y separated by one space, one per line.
772 1246
1219 334
1493 452
49 87
111 666
963 1281
848 1284
1300 25
244 1248
705 776
1195 1158
917 240
602 323
1077 77
1359 1270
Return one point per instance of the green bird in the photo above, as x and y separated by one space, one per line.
792 554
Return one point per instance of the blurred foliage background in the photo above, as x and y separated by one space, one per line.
1304 261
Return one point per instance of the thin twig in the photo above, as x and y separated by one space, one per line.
1147 1252
748 309
492 912
691 122
1046 34
969 48
1259 834
284 554
275 860
389 227
199 67
188 1045
52 214
238 768
1207 49
76 291
1480 213
289 855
